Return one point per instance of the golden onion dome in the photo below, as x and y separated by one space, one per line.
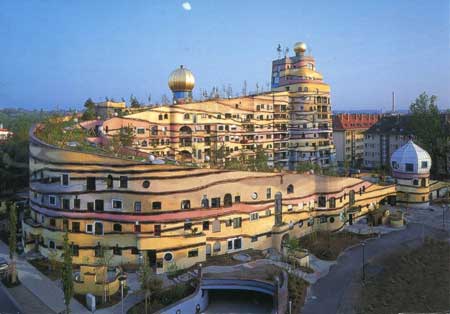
181 80
300 48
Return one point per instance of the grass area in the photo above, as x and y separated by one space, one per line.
50 269
227 260
163 298
328 245
261 272
297 292
99 304
415 280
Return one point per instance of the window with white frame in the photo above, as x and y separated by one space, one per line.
117 204
65 179
52 200
234 244
89 228
140 130
254 216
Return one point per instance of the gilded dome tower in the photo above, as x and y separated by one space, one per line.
181 83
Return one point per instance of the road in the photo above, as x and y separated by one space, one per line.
6 305
238 302
332 293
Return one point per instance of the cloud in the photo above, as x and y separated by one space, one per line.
187 6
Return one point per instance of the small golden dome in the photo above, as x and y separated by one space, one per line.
300 48
181 80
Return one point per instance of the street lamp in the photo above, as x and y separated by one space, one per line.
363 262
122 278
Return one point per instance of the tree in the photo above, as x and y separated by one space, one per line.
104 261
12 240
126 136
307 166
430 133
150 284
134 103
259 163
67 273
89 112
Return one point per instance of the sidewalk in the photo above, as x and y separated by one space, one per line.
41 286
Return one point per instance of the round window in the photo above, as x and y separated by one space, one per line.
168 257
146 184
331 219
254 195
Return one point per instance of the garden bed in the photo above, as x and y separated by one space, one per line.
44 266
328 245
297 292
99 304
163 298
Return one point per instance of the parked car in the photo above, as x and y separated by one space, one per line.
3 265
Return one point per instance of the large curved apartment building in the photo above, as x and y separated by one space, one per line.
175 214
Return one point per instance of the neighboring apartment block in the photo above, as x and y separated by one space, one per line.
383 138
348 136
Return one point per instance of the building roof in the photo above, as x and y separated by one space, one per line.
398 124
354 121
410 153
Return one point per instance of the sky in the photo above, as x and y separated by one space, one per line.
56 54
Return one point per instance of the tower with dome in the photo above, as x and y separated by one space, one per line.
181 83
411 168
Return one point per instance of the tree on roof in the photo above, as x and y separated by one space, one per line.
89 112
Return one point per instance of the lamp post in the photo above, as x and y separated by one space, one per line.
122 279
363 262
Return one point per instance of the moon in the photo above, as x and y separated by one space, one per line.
186 6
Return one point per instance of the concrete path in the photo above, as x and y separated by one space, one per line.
330 293
8 304
41 286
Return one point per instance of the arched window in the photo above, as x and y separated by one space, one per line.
227 200
109 182
160 117
166 116
186 116
186 130
186 204
290 189
98 228
205 202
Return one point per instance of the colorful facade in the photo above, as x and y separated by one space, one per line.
171 214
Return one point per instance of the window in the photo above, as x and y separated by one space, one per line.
310 222
332 202
409 167
187 225
90 183
137 207
157 230
52 200
268 212
237 222
322 202
98 250
109 182
117 204
99 205
117 227
215 202
51 244
90 206
74 250
89 228
269 193
117 250
423 182
290 189
254 195
156 205
98 228
123 182
193 253
216 225
323 219
424 164
216 246
140 130
206 225
331 219
75 226
185 204
227 200
65 225
137 228
237 199
66 204
234 244
65 179
300 223
168 257
394 165
52 222
254 238
254 216
146 184
76 203
416 182
134 251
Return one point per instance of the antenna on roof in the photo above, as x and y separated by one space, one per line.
279 50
